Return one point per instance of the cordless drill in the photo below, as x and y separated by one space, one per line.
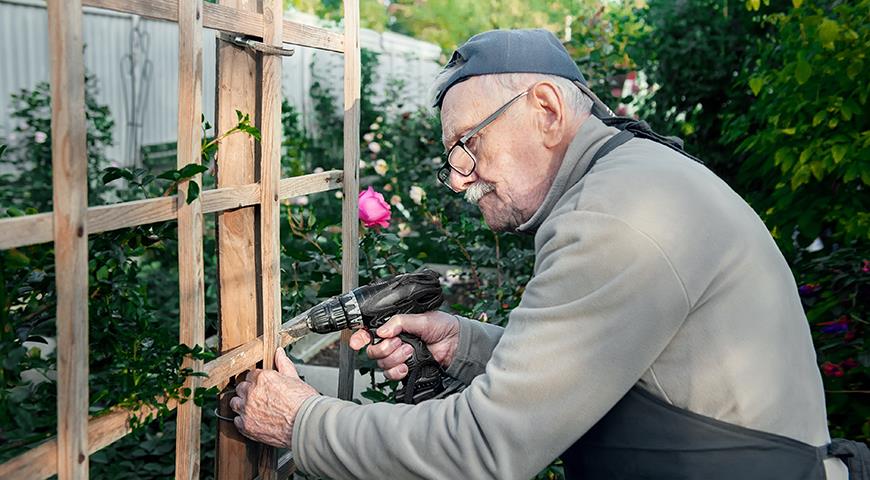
370 306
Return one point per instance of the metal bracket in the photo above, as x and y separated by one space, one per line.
255 45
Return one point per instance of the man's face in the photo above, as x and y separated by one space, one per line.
512 175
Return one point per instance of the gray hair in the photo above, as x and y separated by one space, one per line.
509 84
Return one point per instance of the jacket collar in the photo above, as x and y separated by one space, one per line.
591 135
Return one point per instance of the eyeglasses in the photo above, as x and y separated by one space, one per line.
460 158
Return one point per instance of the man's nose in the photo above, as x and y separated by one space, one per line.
459 182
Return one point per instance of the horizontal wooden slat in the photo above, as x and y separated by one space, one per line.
41 462
35 229
228 19
311 36
308 184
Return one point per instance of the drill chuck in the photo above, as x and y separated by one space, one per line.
335 314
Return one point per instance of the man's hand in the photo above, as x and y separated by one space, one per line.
438 330
267 402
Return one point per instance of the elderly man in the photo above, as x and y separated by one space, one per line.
661 335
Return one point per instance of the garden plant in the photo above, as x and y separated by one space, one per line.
777 115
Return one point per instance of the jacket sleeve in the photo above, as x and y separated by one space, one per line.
476 343
602 305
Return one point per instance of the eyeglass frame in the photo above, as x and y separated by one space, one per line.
462 143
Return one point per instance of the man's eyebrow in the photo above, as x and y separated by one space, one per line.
451 136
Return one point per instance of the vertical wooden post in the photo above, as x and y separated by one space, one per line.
350 216
190 261
270 226
70 202
238 284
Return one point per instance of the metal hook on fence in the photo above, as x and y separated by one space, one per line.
217 409
257 46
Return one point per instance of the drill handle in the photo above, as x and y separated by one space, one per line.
425 375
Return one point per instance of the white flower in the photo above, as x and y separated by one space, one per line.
302 201
338 194
363 164
318 170
381 167
369 137
374 126
437 161
395 200
379 119
417 194
404 230
375 147
379 136
40 137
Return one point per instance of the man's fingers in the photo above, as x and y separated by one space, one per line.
359 339
237 404
383 349
396 373
242 389
283 364
252 375
398 357
240 424
413 323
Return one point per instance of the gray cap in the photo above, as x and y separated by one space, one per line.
513 51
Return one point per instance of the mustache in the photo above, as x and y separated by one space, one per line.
477 190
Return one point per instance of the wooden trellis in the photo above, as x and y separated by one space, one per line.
249 189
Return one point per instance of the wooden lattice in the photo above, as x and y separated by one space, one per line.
249 189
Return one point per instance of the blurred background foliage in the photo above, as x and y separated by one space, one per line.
767 92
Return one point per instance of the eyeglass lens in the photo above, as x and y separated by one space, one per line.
461 160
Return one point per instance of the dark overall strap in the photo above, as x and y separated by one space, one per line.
608 147
641 129
855 455
643 437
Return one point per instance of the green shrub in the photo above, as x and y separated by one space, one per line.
806 137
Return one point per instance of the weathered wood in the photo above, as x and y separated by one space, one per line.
41 462
314 37
190 256
35 229
270 221
70 203
228 19
350 215
238 281
311 183
286 466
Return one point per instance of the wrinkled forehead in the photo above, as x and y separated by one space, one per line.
465 104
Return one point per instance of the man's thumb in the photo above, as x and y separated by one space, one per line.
284 365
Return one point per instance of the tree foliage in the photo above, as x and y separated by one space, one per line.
806 136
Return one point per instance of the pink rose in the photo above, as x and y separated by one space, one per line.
373 209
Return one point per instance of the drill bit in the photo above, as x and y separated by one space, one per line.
296 327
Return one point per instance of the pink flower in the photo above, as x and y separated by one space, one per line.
373 209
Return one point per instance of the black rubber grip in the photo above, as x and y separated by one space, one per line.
424 379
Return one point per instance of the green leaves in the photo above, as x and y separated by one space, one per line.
755 83
829 32
802 71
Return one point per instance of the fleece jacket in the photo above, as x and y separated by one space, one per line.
650 271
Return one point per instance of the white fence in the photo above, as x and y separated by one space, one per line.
144 105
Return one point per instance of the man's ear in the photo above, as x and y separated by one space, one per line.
550 109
